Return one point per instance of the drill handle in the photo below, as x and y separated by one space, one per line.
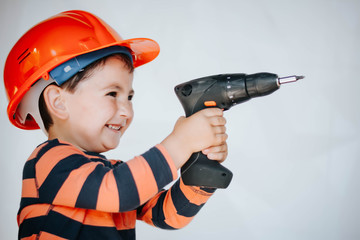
194 96
203 172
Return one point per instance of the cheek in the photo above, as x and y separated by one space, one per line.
89 111
131 113
88 108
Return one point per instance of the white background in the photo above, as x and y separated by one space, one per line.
294 154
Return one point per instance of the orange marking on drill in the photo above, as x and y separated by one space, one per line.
210 104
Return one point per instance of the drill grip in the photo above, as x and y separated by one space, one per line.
201 171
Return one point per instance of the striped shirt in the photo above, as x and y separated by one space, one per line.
70 194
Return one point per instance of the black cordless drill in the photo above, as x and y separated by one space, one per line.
222 91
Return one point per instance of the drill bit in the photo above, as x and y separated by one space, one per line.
289 79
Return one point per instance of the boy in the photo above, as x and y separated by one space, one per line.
74 80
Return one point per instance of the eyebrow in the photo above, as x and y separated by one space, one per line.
119 88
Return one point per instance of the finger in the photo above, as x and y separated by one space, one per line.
217 121
218 156
214 111
220 138
219 129
220 148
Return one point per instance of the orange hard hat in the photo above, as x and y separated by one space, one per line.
55 41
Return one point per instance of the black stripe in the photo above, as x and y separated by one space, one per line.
31 226
139 209
29 169
104 161
126 234
61 226
26 202
128 194
98 233
90 190
183 206
159 167
58 175
158 217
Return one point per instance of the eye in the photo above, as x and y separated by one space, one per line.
130 97
112 94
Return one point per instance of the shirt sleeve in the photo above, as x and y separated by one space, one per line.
66 176
176 207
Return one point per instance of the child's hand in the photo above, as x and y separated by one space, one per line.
204 130
218 153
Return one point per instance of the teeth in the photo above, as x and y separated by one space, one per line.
117 127
114 127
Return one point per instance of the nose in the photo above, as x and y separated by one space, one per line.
125 108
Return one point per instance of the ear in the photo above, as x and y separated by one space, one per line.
55 101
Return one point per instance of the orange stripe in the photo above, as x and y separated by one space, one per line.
108 197
32 237
194 194
76 214
178 221
169 160
92 156
70 190
29 189
48 161
99 219
113 162
143 177
32 211
171 216
125 220
49 236
86 216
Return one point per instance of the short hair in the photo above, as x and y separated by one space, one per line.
71 84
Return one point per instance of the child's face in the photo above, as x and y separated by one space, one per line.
100 110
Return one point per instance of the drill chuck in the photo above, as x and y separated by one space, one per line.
248 86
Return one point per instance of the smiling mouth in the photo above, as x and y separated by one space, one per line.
114 127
